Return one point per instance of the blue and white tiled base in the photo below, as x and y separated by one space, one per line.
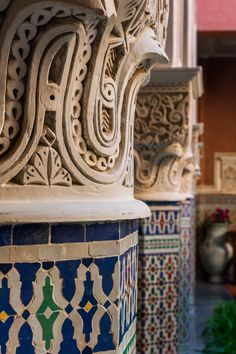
185 270
68 288
158 295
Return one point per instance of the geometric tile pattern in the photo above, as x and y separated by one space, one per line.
158 283
164 220
185 270
193 252
82 305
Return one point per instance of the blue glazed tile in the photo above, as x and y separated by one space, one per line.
69 309
26 314
87 262
4 330
25 340
30 234
64 233
87 318
68 272
5 268
5 299
102 231
68 275
68 344
48 265
5 306
88 292
107 304
107 280
105 339
124 228
5 235
27 273
134 224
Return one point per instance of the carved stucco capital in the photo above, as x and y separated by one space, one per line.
164 159
70 72
198 130
192 169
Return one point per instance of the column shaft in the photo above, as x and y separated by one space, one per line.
158 297
70 72
164 176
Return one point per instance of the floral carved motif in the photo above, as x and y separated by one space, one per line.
66 71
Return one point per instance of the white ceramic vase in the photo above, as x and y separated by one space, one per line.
216 252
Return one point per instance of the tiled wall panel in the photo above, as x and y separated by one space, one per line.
158 299
68 288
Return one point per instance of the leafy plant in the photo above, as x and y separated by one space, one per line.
220 332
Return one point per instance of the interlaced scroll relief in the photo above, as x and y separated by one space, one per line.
192 168
162 138
70 73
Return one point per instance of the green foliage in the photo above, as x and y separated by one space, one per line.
220 332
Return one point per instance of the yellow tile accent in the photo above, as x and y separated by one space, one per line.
88 306
3 316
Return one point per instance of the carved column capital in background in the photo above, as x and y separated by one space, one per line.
192 169
70 72
164 158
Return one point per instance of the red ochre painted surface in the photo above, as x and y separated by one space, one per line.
216 15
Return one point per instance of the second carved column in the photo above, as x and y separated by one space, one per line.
163 156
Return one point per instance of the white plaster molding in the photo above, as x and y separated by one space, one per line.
70 72
179 75
72 211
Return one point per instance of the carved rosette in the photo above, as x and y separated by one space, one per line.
164 161
70 73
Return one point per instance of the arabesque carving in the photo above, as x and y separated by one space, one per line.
164 161
70 73
161 137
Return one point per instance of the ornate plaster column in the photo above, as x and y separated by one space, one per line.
70 72
163 155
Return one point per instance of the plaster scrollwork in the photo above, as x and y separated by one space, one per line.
192 169
70 73
188 181
161 138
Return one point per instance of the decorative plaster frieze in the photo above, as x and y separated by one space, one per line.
69 76
163 134
224 175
